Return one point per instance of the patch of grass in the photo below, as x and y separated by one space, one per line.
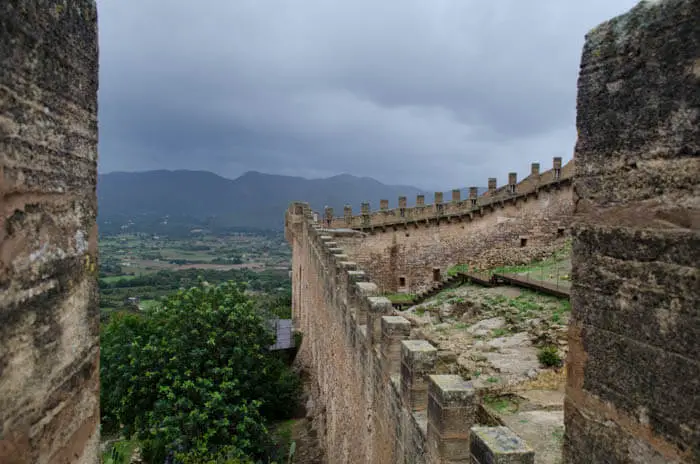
549 356
495 300
543 266
456 269
501 404
558 434
420 311
120 452
493 380
564 307
461 325
498 332
523 304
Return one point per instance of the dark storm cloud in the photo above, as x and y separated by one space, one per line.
434 93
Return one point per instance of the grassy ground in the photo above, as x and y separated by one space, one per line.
120 452
454 270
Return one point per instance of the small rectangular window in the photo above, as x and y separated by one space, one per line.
402 281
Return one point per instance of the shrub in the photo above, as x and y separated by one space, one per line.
549 356
194 376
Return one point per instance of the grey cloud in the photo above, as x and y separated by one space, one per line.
438 94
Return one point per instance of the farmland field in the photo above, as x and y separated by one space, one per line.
138 270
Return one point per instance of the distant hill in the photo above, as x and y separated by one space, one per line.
253 200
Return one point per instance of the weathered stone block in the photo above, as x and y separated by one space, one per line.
452 408
366 288
499 445
394 329
418 359
357 276
348 265
378 306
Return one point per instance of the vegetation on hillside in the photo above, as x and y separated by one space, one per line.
192 379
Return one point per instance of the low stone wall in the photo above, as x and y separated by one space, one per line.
49 317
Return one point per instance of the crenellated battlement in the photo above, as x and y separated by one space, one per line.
457 208
412 410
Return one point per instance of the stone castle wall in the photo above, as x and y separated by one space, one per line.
634 339
49 318
634 345
378 398
499 228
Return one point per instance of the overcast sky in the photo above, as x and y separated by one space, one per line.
433 93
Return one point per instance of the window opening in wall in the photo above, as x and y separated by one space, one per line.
523 242
557 173
436 274
402 281
512 188
560 232
407 234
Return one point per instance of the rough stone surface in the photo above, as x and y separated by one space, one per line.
634 339
499 445
49 318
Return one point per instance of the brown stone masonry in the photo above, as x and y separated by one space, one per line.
49 318
634 346
379 400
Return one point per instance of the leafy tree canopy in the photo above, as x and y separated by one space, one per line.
194 377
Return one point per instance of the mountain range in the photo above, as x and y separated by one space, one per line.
253 200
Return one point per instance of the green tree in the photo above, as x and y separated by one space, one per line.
195 376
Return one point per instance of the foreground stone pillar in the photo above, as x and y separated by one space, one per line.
49 316
418 358
378 307
394 329
452 407
634 339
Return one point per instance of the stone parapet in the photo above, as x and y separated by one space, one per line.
458 209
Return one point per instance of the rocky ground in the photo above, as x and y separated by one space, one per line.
510 342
